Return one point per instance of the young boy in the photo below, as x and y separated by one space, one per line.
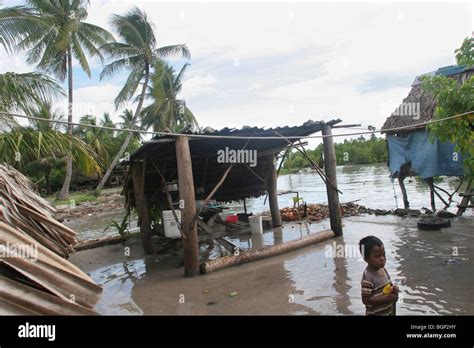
378 293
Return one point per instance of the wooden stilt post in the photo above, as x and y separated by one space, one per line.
330 170
406 204
138 178
272 193
432 194
186 195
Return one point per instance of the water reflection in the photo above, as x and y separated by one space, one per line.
341 281
117 282
277 235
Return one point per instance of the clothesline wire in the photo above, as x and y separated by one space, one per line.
208 136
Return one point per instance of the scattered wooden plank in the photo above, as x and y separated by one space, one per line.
229 246
95 243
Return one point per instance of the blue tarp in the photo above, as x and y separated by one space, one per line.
427 159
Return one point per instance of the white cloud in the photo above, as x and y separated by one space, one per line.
94 100
199 85
14 63
295 61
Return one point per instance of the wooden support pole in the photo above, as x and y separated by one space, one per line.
331 183
186 195
466 197
401 178
272 193
144 221
432 195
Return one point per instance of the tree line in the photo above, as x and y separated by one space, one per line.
354 151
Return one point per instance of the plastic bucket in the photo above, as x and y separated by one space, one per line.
232 218
256 224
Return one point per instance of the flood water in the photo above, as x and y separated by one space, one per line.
432 268
369 184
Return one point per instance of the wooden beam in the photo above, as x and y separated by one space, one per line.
305 155
465 199
142 205
254 255
186 195
168 198
272 193
401 179
432 195
254 173
214 190
331 183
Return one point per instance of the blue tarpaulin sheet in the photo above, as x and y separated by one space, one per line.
428 159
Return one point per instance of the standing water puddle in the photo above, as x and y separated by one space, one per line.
117 282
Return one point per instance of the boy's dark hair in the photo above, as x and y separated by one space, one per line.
366 244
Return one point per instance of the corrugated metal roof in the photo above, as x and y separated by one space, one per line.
240 183
443 71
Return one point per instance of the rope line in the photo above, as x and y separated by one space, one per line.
207 136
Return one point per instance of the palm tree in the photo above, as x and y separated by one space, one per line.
24 145
66 35
46 112
45 165
40 145
16 23
167 111
127 123
137 53
24 92
96 138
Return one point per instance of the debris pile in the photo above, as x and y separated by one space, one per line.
35 277
316 212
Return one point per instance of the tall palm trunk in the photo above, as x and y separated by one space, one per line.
64 193
130 134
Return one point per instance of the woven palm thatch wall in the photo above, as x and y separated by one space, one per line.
35 277
427 107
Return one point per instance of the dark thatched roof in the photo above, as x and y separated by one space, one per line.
240 183
426 101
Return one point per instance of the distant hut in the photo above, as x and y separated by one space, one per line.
411 153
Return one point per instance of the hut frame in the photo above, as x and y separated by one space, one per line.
192 163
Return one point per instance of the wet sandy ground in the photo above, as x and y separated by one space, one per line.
432 268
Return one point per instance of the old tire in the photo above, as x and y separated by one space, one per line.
434 223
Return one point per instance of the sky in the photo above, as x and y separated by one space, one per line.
275 64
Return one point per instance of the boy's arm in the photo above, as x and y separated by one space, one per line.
368 299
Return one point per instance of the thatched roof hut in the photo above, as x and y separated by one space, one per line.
424 102
35 277
411 151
